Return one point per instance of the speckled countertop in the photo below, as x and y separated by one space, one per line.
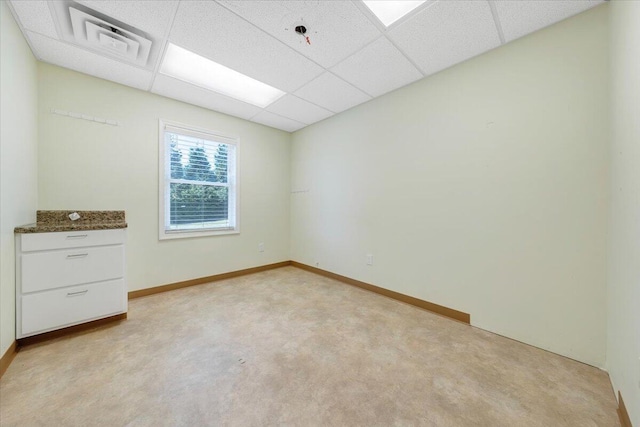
52 221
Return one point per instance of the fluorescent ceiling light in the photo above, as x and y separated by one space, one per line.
389 12
200 71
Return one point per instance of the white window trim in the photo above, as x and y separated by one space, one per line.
163 176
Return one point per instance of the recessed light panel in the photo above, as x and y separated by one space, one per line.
192 68
389 12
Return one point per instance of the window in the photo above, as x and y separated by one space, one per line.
198 182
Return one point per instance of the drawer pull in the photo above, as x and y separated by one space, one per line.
77 236
77 256
77 294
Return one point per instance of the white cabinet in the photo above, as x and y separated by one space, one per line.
67 278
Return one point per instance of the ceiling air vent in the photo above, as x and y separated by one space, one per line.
109 38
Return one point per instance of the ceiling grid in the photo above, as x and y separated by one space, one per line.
165 43
351 56
496 19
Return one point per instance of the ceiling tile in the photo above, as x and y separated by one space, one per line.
152 16
378 68
332 93
35 16
446 33
213 31
298 109
525 16
278 122
68 56
336 29
186 92
257 38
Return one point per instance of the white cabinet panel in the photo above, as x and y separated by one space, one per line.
58 308
55 269
68 278
71 239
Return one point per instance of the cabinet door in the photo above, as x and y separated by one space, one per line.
55 269
58 308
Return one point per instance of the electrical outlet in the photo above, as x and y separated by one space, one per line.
260 247
369 259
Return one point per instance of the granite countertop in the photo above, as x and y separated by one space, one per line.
52 221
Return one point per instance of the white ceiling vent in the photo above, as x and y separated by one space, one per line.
107 37
102 34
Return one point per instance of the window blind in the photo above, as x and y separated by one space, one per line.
199 181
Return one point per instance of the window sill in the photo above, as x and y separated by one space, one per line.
188 234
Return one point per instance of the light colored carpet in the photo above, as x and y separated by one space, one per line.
287 347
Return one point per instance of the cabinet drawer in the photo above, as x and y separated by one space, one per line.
65 307
70 239
49 270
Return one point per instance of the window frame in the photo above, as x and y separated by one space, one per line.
164 182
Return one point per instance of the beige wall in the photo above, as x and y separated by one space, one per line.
623 345
18 157
85 165
483 188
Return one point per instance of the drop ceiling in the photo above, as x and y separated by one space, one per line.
352 57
